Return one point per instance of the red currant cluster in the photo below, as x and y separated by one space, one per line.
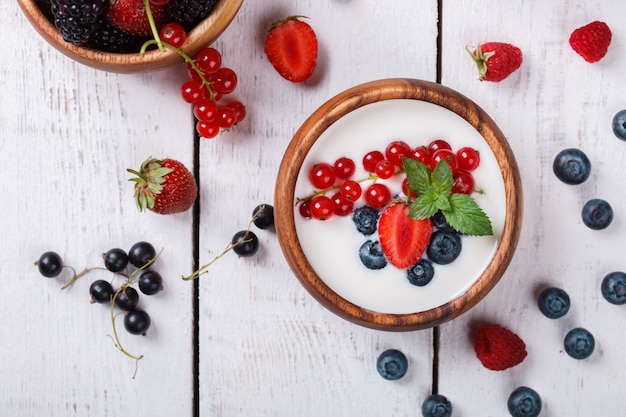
208 83
337 179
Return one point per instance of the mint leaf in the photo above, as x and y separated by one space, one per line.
442 179
418 175
425 206
466 216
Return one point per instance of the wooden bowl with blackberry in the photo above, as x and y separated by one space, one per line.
102 35
398 204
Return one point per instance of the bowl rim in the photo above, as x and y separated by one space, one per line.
205 33
331 111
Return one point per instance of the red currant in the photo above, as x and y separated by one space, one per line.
239 108
305 209
342 207
371 159
322 175
377 195
206 110
174 34
322 207
208 60
396 150
351 190
224 81
438 144
422 154
208 130
344 167
226 117
468 158
405 188
385 169
445 155
192 91
463 182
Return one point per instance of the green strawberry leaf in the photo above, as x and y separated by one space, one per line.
466 216
418 175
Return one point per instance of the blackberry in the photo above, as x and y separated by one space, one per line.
108 38
189 13
76 19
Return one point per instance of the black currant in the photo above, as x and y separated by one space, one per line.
137 322
141 253
263 215
50 264
101 291
116 259
247 243
127 299
150 282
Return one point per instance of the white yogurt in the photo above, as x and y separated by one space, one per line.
332 246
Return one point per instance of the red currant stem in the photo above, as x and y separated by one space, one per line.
155 31
76 276
371 177
203 269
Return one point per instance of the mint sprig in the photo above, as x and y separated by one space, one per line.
435 194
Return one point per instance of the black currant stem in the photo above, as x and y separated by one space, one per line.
77 275
203 268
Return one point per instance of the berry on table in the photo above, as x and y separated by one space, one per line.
524 402
579 343
245 243
263 216
421 273
127 298
115 260
137 322
291 48
371 255
50 264
150 282
619 124
591 41
436 405
444 247
496 60
498 348
613 287
572 166
553 302
392 364
101 291
597 214
141 253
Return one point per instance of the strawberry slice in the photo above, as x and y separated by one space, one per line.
402 239
291 47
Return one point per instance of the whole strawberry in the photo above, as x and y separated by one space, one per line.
591 41
498 348
164 186
131 17
291 47
496 60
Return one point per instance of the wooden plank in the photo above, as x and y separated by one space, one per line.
266 347
68 134
555 101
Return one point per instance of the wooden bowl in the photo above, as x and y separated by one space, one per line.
388 105
202 35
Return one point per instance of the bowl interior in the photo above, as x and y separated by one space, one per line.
202 35
368 117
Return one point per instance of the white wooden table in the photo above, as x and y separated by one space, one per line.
247 340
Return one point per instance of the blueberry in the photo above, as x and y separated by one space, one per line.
444 247
392 364
572 166
421 273
440 222
115 260
50 264
263 215
597 214
365 219
579 343
553 302
372 255
524 402
436 406
613 288
619 124
246 243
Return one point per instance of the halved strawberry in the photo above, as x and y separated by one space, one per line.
130 16
402 239
291 47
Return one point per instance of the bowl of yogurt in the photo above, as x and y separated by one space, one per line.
336 204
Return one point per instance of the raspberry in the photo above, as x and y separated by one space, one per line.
76 19
498 348
189 13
